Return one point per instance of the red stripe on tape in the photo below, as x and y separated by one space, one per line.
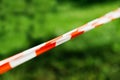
4 68
76 33
45 48
49 45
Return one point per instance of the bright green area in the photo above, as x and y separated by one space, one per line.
94 55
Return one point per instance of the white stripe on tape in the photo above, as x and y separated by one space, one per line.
22 59
104 20
63 39
86 28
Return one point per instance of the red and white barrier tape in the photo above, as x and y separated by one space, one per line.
12 62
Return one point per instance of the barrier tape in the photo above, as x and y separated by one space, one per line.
12 62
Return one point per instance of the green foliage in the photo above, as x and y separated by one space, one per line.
19 19
85 2
92 56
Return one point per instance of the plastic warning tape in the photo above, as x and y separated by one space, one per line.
12 62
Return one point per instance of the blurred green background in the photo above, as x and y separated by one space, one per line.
94 55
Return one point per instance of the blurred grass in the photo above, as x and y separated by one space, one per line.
92 56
